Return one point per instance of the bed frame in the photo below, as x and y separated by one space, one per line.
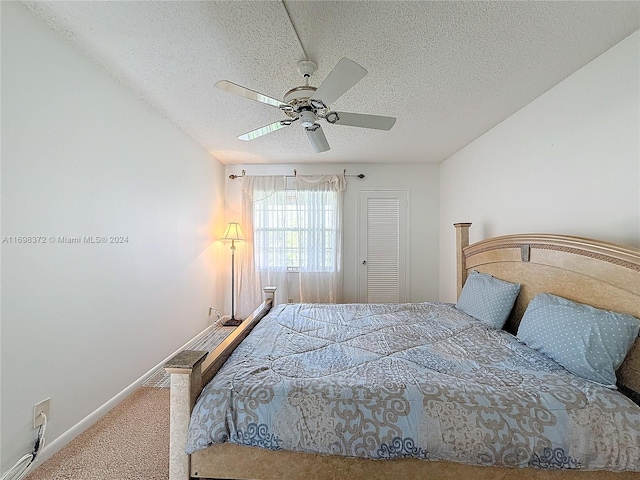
598 273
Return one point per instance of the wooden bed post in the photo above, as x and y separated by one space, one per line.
270 292
190 371
186 383
462 241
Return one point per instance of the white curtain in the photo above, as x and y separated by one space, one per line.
250 280
293 239
320 201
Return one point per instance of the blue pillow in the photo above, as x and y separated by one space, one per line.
587 341
488 298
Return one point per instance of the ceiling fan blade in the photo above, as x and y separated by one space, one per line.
343 76
365 121
317 139
245 92
258 132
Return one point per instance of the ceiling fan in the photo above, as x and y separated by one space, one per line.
310 104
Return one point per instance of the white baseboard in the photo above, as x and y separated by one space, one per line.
50 449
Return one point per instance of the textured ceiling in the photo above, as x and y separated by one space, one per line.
449 71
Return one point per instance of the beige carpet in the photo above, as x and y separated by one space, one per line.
131 442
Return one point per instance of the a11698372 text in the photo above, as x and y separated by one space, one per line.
63 239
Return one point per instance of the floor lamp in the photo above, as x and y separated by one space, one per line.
234 234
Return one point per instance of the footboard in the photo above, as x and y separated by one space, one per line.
190 371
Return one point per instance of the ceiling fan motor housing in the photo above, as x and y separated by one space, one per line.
299 95
298 99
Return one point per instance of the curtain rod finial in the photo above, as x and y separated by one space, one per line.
233 177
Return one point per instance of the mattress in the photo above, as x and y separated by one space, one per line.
410 380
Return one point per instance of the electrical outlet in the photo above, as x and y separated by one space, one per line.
43 406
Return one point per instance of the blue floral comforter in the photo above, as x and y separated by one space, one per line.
422 380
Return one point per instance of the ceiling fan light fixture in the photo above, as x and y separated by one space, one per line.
308 118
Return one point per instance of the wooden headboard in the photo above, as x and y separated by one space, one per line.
601 274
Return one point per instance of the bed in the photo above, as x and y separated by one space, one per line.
504 424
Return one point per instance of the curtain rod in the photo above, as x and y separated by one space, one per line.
295 172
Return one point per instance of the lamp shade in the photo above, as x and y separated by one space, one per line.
233 232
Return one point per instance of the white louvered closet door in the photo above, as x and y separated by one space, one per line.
382 246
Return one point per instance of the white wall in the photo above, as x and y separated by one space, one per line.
81 155
419 180
568 163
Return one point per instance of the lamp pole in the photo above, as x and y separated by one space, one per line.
233 281
233 233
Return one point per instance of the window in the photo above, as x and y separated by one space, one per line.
296 231
294 224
